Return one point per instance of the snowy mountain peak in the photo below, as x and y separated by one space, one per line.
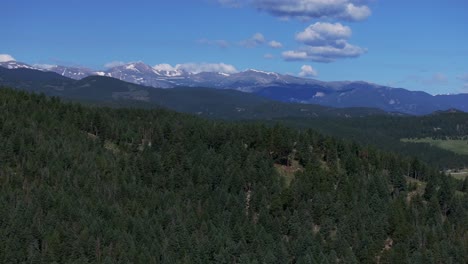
76 73
262 72
17 65
168 76
134 66
169 73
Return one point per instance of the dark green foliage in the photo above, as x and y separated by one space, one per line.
100 185
387 132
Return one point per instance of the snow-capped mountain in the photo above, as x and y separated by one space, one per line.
272 85
140 73
76 73
250 80
17 65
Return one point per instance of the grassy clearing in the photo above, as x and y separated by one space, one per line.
457 146
288 172
107 144
112 147
418 188
460 175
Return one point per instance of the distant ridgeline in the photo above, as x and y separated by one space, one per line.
108 185
364 125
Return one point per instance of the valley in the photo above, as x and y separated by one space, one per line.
459 146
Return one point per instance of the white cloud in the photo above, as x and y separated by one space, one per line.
325 42
254 41
198 67
293 55
269 56
164 67
207 67
114 64
259 38
324 53
275 44
357 13
6 57
351 10
323 34
308 71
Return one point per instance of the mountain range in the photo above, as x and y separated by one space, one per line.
207 102
278 87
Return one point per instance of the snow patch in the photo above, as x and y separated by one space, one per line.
131 67
319 94
45 66
264 72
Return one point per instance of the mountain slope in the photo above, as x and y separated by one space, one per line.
276 86
101 185
203 101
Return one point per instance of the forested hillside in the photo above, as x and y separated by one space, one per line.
387 132
105 185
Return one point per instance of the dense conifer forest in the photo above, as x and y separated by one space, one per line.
387 132
100 185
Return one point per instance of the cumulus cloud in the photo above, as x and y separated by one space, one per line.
324 42
351 10
323 34
293 55
218 42
113 64
254 41
6 57
164 67
269 56
258 38
308 71
275 44
198 67
324 53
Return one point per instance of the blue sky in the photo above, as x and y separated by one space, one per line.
418 45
